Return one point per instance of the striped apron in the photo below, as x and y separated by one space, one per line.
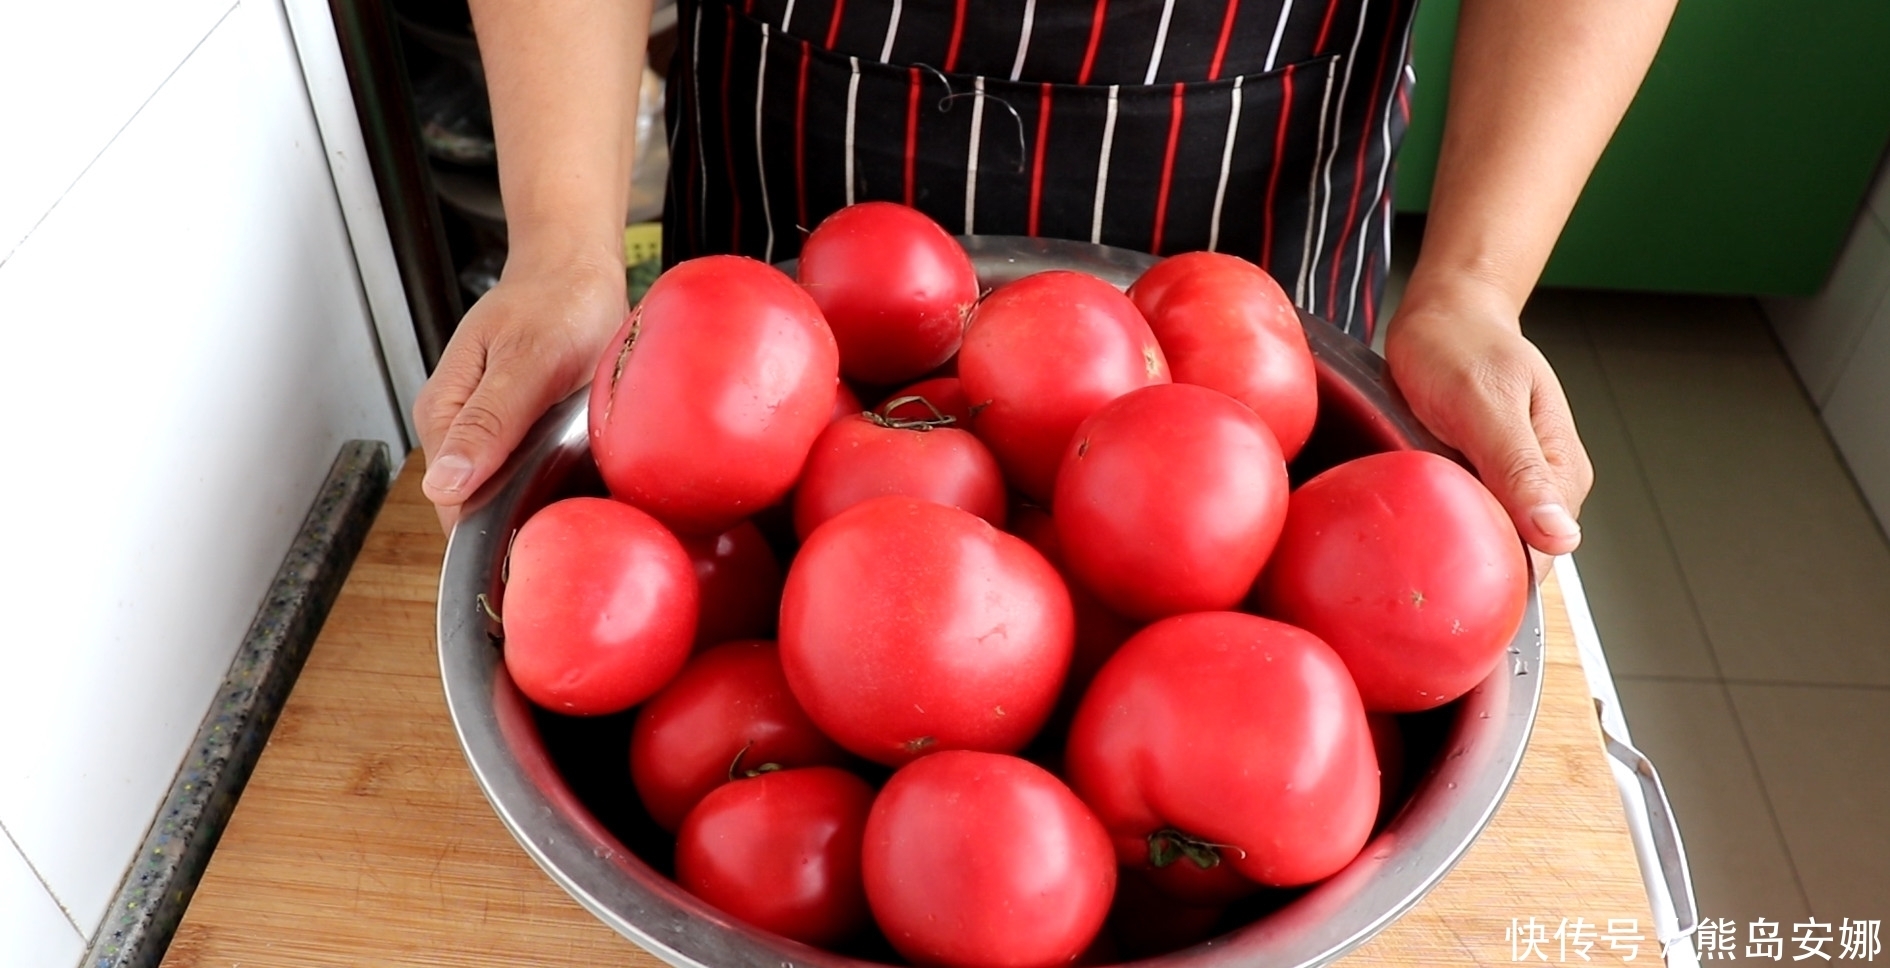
1260 128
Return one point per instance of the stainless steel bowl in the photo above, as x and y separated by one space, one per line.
1478 741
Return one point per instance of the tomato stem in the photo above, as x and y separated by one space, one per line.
485 605
884 418
1167 845
735 771
623 357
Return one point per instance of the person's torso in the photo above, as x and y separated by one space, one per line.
1264 128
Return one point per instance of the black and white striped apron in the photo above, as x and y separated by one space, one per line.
1260 128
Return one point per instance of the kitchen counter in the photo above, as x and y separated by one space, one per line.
363 839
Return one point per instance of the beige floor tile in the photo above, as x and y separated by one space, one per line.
1788 570
1823 754
1740 866
1692 324
1642 607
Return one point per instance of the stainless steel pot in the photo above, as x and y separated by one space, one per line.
1478 741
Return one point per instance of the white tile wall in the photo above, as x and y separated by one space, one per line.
72 74
187 346
33 931
1839 341
1819 333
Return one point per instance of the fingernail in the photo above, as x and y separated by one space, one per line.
1555 521
449 474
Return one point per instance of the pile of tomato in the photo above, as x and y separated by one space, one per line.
1055 637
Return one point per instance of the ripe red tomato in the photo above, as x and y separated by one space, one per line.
944 394
1043 353
704 405
1408 568
846 403
1388 743
978 860
1222 740
599 607
1147 921
894 287
909 627
727 713
740 584
1169 501
1225 324
1099 631
782 852
870 455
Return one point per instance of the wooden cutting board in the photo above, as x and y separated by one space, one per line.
362 838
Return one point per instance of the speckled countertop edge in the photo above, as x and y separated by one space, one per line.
150 903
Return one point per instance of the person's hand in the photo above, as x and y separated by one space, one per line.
527 344
1469 374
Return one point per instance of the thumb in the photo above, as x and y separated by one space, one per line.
482 433
1509 456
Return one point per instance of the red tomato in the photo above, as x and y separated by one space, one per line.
599 607
1407 566
894 287
740 583
727 713
1043 353
909 627
704 405
977 860
1388 743
1169 501
1147 921
846 403
1223 740
1224 323
943 394
870 455
782 852
1099 631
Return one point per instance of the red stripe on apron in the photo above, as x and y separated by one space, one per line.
1358 168
800 142
1095 40
1371 305
1168 169
1325 29
1220 47
1273 174
958 36
1036 170
912 136
695 158
728 140
833 26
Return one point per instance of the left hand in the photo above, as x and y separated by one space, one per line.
1464 366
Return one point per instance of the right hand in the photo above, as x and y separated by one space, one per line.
530 342
1458 353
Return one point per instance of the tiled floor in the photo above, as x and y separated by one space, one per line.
1742 592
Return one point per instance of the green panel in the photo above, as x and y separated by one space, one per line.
1433 40
1741 166
1743 161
